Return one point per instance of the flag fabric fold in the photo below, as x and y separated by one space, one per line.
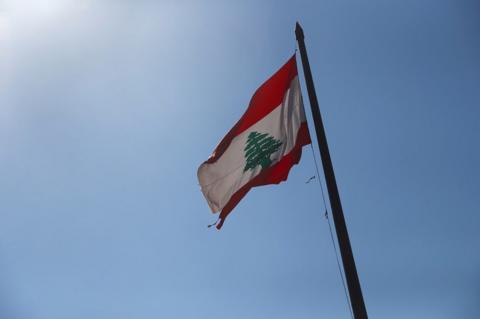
261 147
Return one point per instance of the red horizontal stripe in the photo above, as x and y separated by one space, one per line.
267 97
272 175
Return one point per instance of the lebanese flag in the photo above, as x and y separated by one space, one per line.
262 147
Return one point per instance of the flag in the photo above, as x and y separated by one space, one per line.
262 146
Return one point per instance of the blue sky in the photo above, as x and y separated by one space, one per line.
107 108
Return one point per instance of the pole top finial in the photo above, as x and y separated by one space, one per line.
299 31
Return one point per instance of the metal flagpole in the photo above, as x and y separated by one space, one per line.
353 283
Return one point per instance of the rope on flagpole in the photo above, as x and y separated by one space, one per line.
331 234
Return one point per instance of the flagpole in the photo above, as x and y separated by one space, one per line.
353 283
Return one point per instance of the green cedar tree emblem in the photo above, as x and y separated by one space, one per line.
258 149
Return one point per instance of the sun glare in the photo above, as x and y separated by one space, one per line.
37 8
